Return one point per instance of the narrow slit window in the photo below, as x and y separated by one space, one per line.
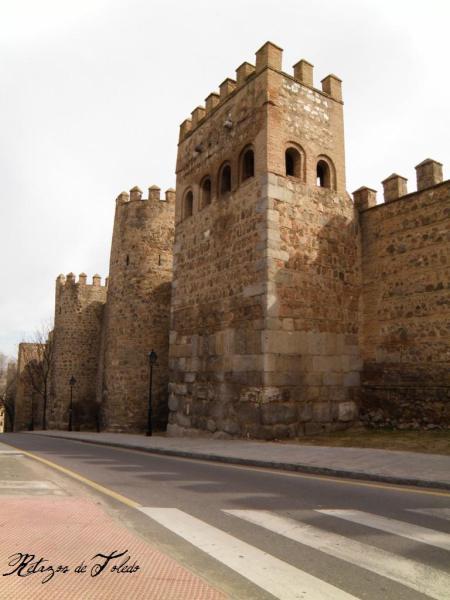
188 205
248 164
206 192
225 180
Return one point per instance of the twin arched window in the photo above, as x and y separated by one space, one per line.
295 167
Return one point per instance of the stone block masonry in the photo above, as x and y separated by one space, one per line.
265 297
406 309
137 312
79 310
277 306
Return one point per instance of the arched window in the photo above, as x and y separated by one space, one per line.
293 161
225 179
323 174
247 164
206 192
188 208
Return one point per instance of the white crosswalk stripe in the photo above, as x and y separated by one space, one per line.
275 576
422 578
440 513
407 530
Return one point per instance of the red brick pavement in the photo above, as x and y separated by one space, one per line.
66 531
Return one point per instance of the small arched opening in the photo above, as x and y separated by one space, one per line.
205 192
293 162
247 164
188 209
323 174
225 180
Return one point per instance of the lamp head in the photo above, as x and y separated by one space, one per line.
152 357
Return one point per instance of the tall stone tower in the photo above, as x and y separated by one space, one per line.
79 309
264 319
137 314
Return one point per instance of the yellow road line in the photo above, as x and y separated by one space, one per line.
89 482
392 487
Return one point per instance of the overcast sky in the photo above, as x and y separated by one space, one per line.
93 92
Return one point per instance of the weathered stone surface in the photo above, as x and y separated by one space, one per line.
137 315
292 310
79 311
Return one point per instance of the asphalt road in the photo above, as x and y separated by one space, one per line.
258 533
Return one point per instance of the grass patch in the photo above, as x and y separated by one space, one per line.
432 442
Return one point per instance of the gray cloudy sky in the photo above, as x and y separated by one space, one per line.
93 92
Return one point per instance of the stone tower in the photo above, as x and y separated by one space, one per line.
264 323
137 314
79 309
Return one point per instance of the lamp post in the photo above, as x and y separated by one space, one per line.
152 358
72 382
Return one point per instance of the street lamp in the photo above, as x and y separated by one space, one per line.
72 382
152 358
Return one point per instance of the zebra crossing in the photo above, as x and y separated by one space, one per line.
288 582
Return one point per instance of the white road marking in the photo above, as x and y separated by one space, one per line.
279 578
30 485
407 530
10 453
422 578
440 513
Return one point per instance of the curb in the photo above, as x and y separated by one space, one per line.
250 462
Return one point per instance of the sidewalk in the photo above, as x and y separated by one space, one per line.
406 468
48 520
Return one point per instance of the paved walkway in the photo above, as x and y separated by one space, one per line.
45 525
407 468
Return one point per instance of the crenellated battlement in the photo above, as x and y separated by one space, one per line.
154 195
70 279
269 56
428 174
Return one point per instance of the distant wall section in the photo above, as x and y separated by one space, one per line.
79 310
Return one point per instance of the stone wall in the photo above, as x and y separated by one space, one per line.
264 307
406 309
28 409
137 312
76 348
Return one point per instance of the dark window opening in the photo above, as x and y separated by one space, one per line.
225 180
293 162
159 259
248 165
188 205
206 192
127 260
323 174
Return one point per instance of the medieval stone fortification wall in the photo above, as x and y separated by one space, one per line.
291 309
406 301
76 349
137 313
27 404
264 307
